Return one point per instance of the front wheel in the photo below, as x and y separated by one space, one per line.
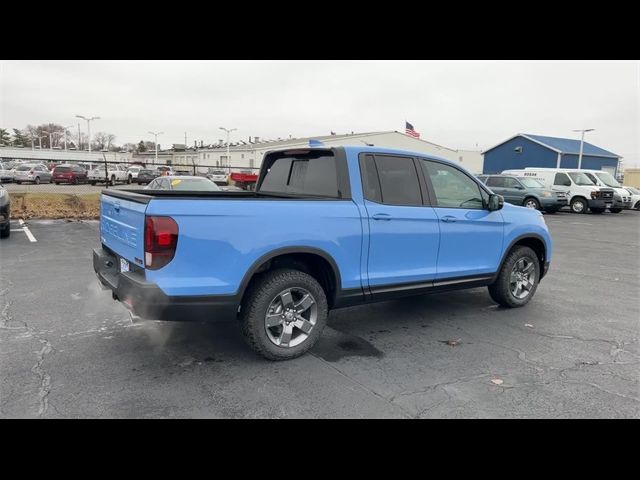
579 205
518 278
283 314
615 210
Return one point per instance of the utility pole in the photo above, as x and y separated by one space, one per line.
582 144
228 133
155 134
185 141
88 126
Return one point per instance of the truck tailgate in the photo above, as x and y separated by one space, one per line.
122 227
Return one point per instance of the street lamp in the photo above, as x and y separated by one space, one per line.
155 134
228 133
582 144
64 130
88 126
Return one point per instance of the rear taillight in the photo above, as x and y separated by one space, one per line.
160 241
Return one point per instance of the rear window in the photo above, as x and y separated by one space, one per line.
194 184
307 174
62 169
23 168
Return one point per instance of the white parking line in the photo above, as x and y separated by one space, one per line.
27 232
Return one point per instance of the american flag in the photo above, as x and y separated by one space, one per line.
410 131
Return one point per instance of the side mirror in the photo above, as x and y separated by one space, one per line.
496 202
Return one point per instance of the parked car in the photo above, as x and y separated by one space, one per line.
145 175
30 172
116 173
6 172
621 198
219 177
69 174
583 193
526 192
325 228
165 170
183 183
635 197
5 212
133 172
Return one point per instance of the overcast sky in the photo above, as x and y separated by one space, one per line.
461 104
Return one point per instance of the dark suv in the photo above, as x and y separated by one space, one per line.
74 174
526 192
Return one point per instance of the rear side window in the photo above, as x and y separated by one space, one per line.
495 182
562 179
399 184
62 169
370 182
511 182
307 174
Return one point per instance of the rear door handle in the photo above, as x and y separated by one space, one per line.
448 219
381 216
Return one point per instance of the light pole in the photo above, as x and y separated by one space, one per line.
582 144
88 126
228 133
39 140
155 134
65 136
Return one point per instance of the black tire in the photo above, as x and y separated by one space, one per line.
93 184
597 210
500 290
18 183
615 210
6 231
76 181
255 305
579 205
531 202
37 181
129 179
57 183
112 182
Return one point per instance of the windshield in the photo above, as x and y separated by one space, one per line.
531 182
196 184
608 179
580 178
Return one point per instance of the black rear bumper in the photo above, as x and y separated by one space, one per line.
146 300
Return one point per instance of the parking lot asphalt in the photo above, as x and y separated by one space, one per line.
68 350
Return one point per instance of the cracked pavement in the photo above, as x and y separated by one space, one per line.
68 351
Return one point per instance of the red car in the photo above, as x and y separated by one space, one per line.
69 174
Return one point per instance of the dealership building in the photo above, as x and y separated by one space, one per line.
526 150
249 155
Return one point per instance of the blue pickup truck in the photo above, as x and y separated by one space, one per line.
325 228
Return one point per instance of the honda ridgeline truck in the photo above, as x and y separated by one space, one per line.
325 228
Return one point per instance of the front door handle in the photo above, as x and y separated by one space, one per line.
381 216
448 219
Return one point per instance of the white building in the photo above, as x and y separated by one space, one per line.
250 155
59 155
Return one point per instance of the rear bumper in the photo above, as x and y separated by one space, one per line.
146 300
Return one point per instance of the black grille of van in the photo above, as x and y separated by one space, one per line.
607 193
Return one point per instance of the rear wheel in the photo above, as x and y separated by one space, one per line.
129 179
518 278
579 205
283 314
5 231
531 202
37 181
615 210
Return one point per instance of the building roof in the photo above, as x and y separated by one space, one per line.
562 145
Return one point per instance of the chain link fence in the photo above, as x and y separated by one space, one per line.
72 190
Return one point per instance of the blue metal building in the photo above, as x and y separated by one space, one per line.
525 150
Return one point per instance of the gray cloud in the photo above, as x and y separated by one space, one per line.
459 104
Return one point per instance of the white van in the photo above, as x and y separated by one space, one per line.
622 199
583 192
